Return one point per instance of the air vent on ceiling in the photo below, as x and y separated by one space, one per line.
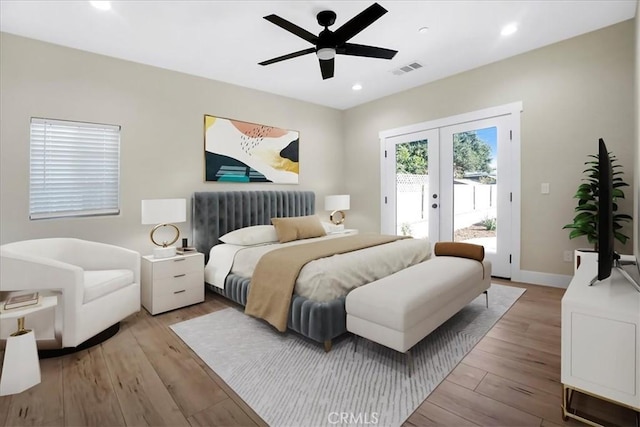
407 68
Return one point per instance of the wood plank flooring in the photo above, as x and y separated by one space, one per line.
145 375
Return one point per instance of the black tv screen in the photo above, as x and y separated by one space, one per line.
606 253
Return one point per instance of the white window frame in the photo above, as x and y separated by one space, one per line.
74 169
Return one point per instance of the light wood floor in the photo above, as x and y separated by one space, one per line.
145 375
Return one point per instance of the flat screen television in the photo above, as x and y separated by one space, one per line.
608 259
606 255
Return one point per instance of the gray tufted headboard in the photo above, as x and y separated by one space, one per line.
216 213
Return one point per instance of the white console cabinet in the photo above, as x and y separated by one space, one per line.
601 338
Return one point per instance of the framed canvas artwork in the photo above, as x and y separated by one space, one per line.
237 151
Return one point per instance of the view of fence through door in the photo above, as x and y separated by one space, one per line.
412 188
475 193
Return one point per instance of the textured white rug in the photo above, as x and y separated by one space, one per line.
290 381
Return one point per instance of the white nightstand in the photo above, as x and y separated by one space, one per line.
170 283
345 231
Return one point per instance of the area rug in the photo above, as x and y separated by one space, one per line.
290 381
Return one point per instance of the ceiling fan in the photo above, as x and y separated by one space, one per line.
329 43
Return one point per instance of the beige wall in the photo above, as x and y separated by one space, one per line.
161 114
572 92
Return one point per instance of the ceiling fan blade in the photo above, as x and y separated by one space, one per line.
288 56
326 67
358 23
364 50
292 28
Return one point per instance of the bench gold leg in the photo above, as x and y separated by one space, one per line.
327 346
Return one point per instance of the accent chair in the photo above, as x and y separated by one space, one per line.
97 284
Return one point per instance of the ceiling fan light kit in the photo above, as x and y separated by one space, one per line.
329 43
326 53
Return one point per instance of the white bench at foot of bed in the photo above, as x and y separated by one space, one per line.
400 310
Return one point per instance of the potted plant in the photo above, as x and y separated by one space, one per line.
585 223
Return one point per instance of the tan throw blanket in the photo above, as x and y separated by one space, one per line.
275 274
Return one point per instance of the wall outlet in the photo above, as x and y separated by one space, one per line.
568 256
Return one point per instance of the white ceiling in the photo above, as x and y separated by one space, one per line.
225 40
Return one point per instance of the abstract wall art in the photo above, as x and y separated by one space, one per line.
237 151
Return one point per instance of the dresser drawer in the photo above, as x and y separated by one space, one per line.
173 285
177 266
166 302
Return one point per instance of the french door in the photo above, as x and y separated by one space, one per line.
453 183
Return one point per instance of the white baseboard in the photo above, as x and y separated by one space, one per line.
544 279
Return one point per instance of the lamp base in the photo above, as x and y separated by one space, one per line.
164 252
337 219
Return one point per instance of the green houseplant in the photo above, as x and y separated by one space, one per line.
585 223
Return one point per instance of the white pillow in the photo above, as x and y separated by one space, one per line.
249 236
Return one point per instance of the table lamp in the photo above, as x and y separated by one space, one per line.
338 204
164 213
21 355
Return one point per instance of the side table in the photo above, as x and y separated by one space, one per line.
21 367
170 283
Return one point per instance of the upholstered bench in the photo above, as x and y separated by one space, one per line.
400 310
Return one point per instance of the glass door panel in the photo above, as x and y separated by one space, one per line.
475 188
410 170
475 174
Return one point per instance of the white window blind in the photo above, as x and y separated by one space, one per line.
75 169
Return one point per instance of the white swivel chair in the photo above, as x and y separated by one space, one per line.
97 285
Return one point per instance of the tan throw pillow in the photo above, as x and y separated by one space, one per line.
462 250
298 227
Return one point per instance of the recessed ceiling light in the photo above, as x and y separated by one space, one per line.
356 86
423 30
101 5
507 30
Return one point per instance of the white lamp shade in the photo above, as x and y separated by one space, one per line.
337 203
164 211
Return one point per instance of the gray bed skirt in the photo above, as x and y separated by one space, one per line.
218 212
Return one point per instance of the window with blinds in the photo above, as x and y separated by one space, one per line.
74 169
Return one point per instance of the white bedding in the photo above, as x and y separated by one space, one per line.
327 278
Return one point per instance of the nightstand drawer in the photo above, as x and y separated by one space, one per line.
170 301
176 266
178 283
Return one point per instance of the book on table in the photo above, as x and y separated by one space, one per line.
185 250
24 300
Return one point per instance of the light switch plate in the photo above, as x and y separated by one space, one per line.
544 188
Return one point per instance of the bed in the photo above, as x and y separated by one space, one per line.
217 213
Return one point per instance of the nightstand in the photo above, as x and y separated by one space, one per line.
345 231
170 283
